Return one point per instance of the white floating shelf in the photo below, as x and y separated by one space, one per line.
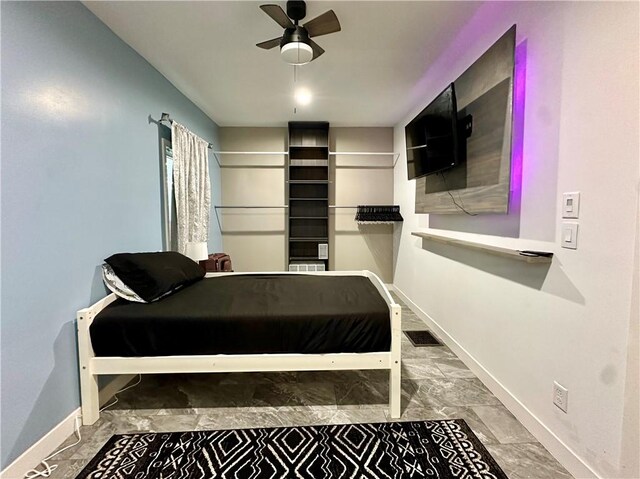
495 250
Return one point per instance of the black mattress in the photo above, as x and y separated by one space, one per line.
249 314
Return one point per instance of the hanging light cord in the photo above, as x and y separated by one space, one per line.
453 199
295 80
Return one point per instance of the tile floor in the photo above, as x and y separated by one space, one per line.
436 385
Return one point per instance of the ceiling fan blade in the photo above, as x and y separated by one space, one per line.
277 13
270 43
323 24
317 49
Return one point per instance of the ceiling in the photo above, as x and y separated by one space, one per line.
367 77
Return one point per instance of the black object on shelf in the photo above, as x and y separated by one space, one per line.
535 254
378 214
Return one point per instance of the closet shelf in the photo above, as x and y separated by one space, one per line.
396 157
308 182
308 217
251 152
308 199
363 153
520 255
218 154
221 207
291 238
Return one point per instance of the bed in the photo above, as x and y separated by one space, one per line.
245 322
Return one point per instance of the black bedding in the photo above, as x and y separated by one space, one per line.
249 314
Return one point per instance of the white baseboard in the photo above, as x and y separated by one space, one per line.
56 436
563 453
41 449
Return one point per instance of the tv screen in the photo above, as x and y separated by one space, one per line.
432 136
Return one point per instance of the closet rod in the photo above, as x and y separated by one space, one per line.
251 152
352 207
363 153
166 118
219 207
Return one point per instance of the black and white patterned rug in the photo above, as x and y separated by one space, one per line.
440 449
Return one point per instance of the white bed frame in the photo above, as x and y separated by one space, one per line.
91 366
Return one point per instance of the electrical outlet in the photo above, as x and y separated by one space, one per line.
560 396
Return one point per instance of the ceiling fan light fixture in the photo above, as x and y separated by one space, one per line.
296 53
296 44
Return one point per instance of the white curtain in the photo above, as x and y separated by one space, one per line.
192 186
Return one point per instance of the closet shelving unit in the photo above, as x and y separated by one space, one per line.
308 190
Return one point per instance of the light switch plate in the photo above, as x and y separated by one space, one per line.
571 205
569 235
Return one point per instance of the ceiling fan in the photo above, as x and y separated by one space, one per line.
296 46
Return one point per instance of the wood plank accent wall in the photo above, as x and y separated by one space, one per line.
482 183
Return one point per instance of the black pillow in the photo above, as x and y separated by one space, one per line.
154 275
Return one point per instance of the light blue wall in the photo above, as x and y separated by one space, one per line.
80 181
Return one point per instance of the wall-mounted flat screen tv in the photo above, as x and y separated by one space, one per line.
432 136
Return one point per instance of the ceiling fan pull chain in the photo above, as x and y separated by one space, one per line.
295 79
